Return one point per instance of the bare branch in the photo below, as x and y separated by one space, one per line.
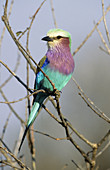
103 139
11 108
53 14
12 155
105 24
101 48
90 103
5 126
103 150
90 34
3 32
9 78
75 164
103 41
19 100
45 134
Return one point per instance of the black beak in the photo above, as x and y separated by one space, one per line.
47 38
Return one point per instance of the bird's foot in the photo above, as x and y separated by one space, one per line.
57 94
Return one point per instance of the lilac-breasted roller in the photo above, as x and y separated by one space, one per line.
57 64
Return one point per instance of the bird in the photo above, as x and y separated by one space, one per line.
58 64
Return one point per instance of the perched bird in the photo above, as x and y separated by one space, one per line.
57 64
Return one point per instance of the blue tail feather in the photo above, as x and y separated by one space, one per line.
34 111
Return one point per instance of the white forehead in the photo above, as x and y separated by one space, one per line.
58 32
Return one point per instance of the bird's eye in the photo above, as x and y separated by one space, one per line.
58 37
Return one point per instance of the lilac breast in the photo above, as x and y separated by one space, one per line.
60 59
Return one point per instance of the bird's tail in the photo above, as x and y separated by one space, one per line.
35 109
25 132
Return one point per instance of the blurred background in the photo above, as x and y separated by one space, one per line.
92 68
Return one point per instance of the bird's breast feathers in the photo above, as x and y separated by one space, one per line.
58 75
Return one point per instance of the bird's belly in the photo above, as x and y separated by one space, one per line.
59 79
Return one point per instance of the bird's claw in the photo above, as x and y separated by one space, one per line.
57 94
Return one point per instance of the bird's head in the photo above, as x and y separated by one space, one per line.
56 37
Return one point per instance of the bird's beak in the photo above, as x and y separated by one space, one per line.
47 38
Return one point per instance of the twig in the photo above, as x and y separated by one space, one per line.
21 33
101 116
3 32
75 164
9 78
90 103
3 162
93 145
101 48
52 115
3 95
87 159
103 139
94 152
103 150
103 41
105 24
53 14
90 34
6 156
15 76
15 101
57 96
16 159
33 17
5 126
45 134
28 98
4 144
